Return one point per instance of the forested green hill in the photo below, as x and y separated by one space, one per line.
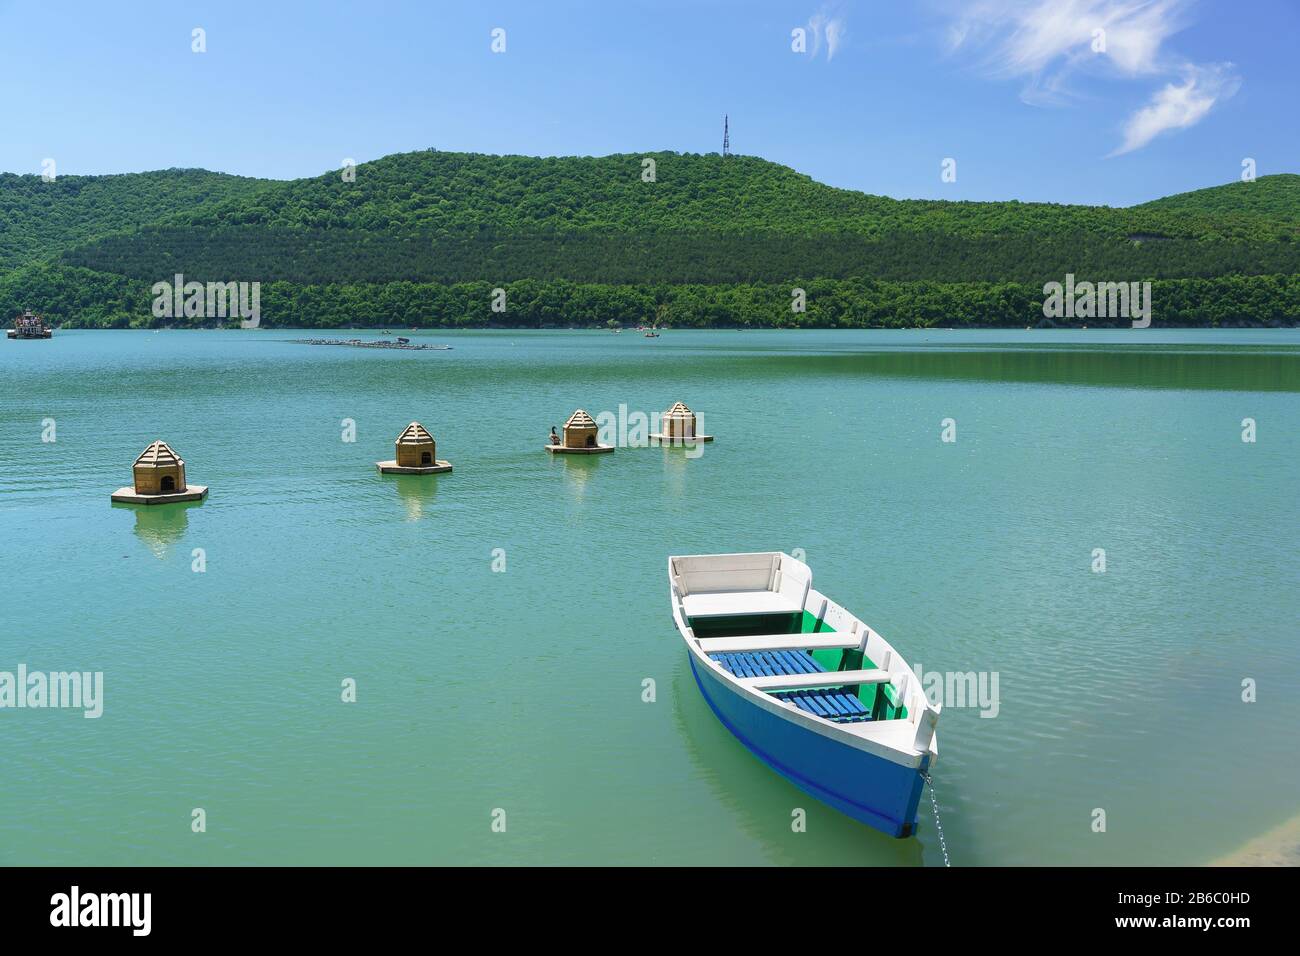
710 240
39 219
432 191
1270 197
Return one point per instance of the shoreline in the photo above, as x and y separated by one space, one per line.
377 330
1279 846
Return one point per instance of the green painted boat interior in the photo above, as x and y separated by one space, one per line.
882 700
741 625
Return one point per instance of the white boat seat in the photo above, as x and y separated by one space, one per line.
829 641
737 603
827 679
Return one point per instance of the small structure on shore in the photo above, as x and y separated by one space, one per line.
678 427
29 326
159 478
579 437
416 454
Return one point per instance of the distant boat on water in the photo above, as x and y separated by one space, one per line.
29 326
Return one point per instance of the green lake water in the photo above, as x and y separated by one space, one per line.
522 689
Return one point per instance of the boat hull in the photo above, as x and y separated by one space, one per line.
869 788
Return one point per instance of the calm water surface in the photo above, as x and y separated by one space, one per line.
521 690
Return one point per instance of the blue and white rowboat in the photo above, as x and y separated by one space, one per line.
815 693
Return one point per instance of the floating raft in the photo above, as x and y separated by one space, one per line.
130 496
378 344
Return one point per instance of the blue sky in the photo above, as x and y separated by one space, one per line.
1013 90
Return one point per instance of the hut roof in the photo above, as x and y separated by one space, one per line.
158 455
580 419
680 409
415 434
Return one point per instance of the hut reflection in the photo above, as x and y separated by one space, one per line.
416 492
578 470
161 528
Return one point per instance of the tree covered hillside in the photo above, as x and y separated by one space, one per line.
415 238
435 191
1275 198
40 219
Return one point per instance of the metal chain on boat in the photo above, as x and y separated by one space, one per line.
938 825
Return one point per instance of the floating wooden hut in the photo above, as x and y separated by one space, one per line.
579 437
159 478
29 326
678 427
416 454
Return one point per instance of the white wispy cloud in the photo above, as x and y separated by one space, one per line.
834 34
1046 38
1179 105
826 26
1055 44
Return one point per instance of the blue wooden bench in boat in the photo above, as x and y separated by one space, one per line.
835 705
768 663
809 688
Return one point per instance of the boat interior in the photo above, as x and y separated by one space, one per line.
758 617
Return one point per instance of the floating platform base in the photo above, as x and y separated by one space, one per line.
663 439
13 334
393 468
586 450
129 496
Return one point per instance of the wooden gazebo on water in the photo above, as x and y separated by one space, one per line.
29 326
417 454
678 427
158 477
580 437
